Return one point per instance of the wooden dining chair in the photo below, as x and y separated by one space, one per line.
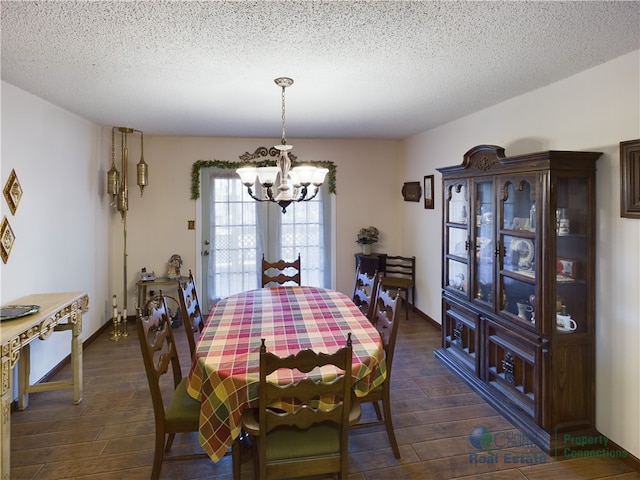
182 412
385 321
280 272
191 313
364 291
400 273
308 438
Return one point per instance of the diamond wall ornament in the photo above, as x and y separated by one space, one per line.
13 192
7 239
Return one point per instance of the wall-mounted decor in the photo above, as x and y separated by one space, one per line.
428 191
13 192
630 179
411 191
7 239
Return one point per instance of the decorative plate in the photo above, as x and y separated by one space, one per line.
525 249
9 312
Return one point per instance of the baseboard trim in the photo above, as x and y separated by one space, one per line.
629 460
426 317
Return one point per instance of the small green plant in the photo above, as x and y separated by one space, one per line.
367 235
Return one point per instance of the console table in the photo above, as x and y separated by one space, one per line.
144 284
58 312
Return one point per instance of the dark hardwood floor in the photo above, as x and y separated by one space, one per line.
110 434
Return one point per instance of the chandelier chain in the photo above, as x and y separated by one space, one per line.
284 138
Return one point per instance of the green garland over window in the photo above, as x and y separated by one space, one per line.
200 164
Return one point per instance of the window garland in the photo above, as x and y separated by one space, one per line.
200 164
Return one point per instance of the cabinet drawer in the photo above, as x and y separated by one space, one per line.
461 335
510 366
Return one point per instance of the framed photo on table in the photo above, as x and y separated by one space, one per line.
428 191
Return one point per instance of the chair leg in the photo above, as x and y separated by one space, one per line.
406 304
169 444
376 407
389 424
235 459
158 454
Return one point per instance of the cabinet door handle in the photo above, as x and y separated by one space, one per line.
497 252
466 245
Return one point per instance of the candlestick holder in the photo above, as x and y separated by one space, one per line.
115 335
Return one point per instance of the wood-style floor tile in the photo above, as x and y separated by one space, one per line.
110 435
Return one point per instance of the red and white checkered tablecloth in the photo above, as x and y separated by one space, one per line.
224 375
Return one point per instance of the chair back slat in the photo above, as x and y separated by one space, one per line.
364 291
158 348
385 320
191 313
318 395
399 266
280 272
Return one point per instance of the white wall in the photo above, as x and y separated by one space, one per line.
61 224
368 193
592 111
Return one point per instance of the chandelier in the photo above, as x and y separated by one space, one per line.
293 183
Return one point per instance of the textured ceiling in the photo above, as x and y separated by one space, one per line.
362 69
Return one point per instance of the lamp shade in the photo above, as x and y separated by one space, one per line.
319 176
247 175
267 175
304 173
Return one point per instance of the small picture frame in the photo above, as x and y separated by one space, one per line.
630 179
428 192
7 239
411 192
566 267
13 192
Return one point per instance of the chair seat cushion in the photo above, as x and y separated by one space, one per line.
183 410
291 442
397 282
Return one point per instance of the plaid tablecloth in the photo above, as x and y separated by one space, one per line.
225 372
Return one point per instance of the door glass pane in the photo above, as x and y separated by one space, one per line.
518 299
232 268
456 238
457 275
571 255
484 203
302 231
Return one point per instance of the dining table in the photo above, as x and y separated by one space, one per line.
224 374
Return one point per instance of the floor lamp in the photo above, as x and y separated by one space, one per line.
118 189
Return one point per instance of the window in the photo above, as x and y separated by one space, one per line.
237 230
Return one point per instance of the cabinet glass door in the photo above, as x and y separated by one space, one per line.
519 250
484 241
572 247
456 237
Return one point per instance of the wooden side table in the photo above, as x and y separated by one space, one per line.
372 262
58 312
152 284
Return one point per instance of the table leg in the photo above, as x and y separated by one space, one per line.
6 386
76 360
24 371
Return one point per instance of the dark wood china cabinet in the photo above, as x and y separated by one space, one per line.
518 293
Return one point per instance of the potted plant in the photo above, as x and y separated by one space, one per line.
367 236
